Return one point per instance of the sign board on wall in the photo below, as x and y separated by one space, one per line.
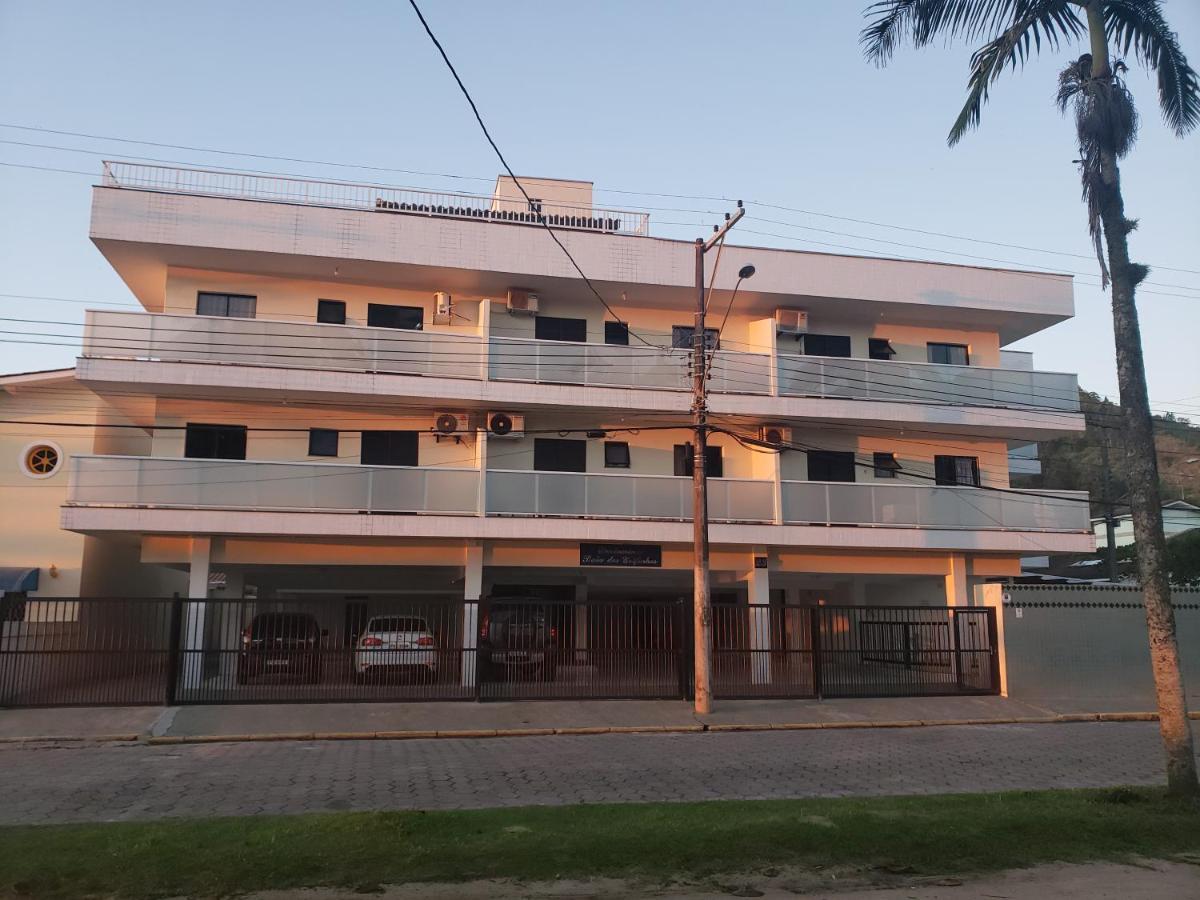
629 555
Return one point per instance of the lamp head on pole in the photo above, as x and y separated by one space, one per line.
746 271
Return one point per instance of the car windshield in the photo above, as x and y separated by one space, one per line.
283 625
392 624
517 616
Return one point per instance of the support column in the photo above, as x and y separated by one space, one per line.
758 594
957 581
197 610
581 622
472 590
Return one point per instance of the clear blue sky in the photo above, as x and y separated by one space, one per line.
769 101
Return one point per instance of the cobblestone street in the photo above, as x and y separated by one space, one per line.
82 782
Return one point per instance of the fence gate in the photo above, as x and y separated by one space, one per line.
120 651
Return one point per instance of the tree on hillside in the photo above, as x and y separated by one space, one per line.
1106 123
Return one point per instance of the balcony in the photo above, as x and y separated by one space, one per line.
269 342
372 197
157 482
606 496
925 506
914 382
612 365
270 486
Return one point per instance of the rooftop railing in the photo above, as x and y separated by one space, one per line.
373 197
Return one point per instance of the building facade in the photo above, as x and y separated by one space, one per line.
356 396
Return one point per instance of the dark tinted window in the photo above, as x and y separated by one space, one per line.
683 335
550 328
616 455
826 345
949 354
880 348
951 470
685 463
215 441
332 312
283 625
389 448
886 465
236 306
616 333
830 465
322 442
556 455
384 315
397 623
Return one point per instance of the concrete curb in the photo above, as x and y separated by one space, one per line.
577 731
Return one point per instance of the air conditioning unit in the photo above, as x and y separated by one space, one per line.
521 300
505 425
791 321
449 424
443 309
777 435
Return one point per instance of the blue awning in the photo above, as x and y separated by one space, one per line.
13 580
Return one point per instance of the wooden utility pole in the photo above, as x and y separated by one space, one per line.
701 603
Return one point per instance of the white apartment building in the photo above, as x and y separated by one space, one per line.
312 406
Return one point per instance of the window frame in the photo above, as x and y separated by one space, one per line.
316 434
235 436
886 464
829 458
685 460
712 338
387 443
548 455
880 348
226 297
941 345
849 345
616 334
339 307
944 479
375 311
544 328
613 451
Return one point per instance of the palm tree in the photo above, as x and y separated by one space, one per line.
1106 123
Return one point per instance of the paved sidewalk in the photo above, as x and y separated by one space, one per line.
90 782
372 718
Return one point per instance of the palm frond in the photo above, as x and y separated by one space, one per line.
1052 22
1139 24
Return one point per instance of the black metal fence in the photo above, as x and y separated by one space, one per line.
110 651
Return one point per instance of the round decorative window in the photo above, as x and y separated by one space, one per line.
41 460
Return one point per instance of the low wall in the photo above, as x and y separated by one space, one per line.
1083 647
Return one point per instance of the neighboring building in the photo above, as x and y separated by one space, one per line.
1178 516
282 403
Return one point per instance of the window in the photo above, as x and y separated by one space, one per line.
886 465
616 333
385 315
558 455
322 442
233 306
214 441
550 328
12 606
949 354
389 448
830 465
331 312
682 337
951 470
826 345
685 461
616 455
880 348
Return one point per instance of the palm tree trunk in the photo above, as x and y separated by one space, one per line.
1142 460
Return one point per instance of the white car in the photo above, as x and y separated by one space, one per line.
395 643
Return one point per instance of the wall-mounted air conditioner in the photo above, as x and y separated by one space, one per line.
777 435
443 308
791 321
521 300
449 424
505 425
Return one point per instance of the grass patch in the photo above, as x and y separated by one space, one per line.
923 835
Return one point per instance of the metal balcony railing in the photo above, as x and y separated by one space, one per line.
915 382
374 197
268 342
927 506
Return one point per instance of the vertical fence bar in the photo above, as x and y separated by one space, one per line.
173 647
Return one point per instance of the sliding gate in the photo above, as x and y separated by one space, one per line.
120 651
